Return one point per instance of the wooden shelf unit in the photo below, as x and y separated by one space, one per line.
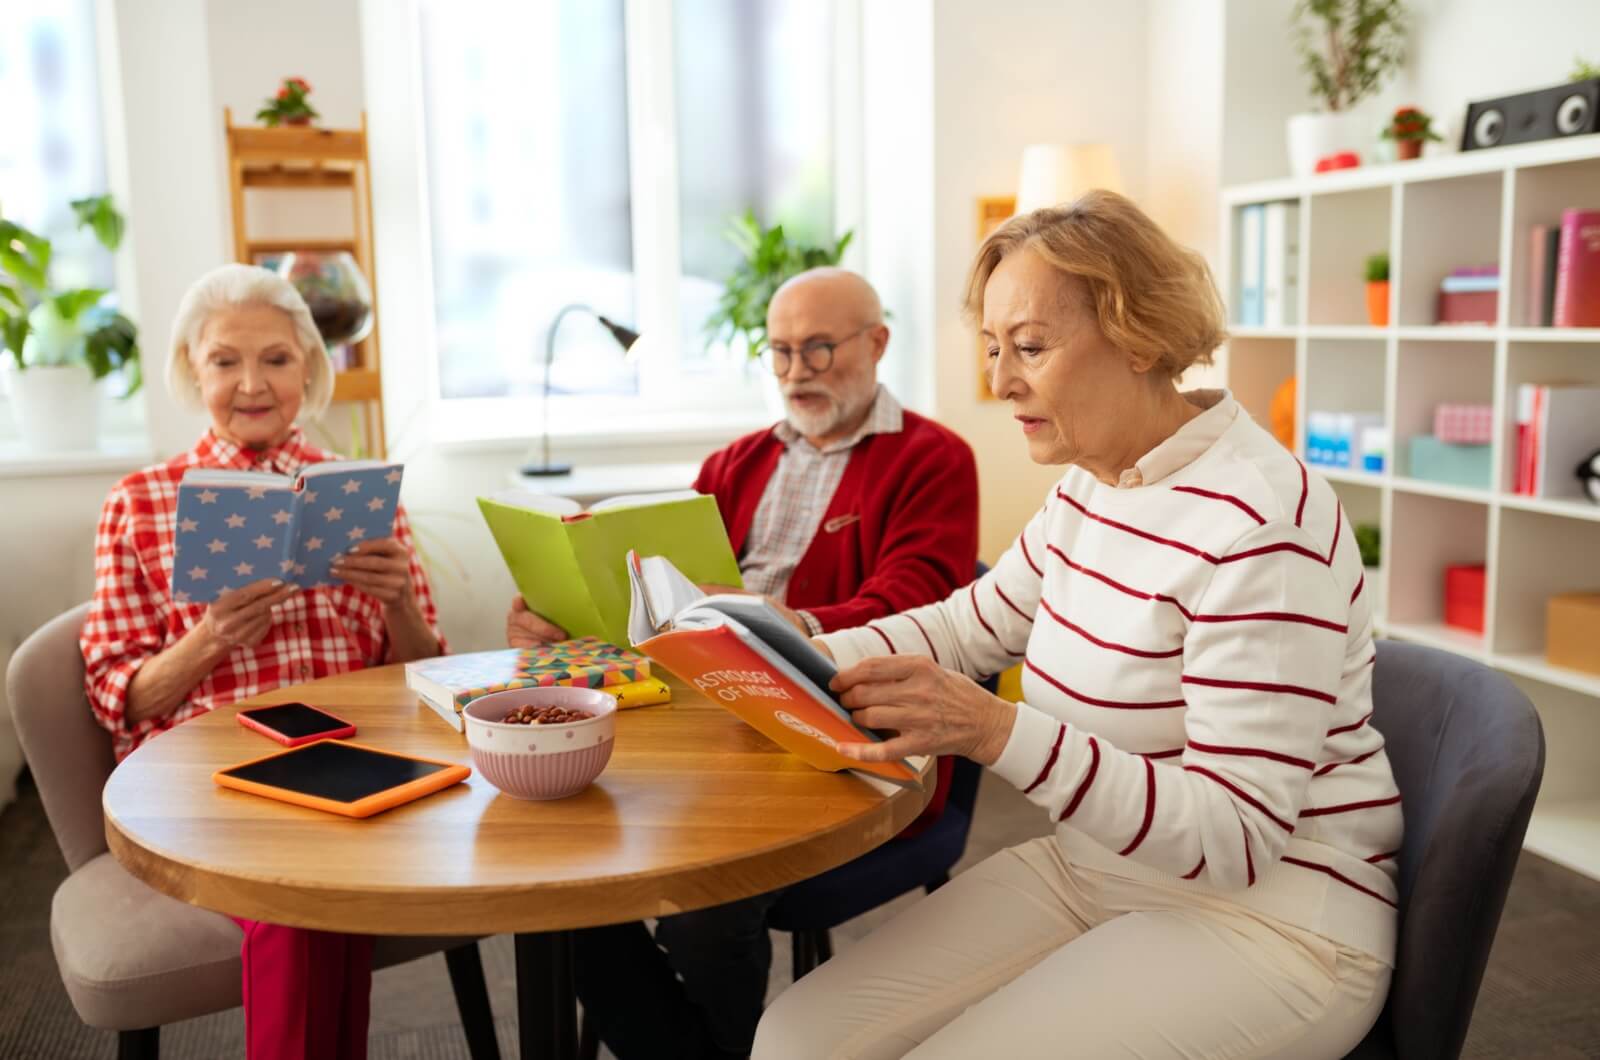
296 158
1433 215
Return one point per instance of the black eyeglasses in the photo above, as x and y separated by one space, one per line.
816 355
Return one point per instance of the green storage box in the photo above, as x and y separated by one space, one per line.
1449 464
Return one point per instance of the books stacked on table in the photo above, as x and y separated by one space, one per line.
448 683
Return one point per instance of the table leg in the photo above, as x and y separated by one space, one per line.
547 1002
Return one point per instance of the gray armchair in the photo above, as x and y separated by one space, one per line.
130 957
1468 753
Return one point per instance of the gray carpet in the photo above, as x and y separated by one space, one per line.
1539 998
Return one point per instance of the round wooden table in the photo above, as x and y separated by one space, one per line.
694 809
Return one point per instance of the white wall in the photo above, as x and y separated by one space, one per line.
1006 76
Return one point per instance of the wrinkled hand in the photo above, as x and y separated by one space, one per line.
240 618
930 710
381 569
524 629
788 613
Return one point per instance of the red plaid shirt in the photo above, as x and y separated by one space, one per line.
315 633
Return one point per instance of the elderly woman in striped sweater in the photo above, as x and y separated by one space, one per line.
1196 640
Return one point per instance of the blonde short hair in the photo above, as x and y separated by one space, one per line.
1153 298
228 287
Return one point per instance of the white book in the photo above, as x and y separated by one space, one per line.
1567 431
1251 233
1274 264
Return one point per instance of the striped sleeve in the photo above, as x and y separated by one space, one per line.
979 630
1261 670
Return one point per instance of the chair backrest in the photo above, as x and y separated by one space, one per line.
1467 751
67 750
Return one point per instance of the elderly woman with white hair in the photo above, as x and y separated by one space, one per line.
244 347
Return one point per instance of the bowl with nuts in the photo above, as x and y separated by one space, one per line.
541 743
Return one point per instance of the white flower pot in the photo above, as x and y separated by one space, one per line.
1315 136
57 406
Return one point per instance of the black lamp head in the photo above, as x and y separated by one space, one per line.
625 336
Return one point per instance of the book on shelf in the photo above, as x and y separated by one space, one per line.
1540 290
1558 426
1252 249
238 527
741 654
1280 264
1577 296
570 563
448 683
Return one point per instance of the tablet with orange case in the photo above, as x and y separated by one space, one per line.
341 777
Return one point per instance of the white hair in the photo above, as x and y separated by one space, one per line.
229 287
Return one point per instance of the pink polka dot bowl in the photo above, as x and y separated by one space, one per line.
541 761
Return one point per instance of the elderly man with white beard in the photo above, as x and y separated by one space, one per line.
849 510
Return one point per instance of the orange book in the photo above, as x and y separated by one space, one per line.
743 655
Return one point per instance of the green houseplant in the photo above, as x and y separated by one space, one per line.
56 344
1377 269
1410 128
1348 49
769 258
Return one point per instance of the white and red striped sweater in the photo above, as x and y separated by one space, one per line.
1197 666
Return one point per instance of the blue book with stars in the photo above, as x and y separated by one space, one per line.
238 527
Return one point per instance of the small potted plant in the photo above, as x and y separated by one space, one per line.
1410 128
1348 49
1378 290
56 344
290 106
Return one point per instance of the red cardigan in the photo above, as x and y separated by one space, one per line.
900 532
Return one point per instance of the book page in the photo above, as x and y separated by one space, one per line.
548 503
657 592
217 476
642 500
335 467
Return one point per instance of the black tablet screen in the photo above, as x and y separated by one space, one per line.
295 720
334 770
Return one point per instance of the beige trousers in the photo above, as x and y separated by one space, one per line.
1025 956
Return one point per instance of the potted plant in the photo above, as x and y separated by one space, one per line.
289 106
1378 290
1348 48
769 259
1410 128
60 342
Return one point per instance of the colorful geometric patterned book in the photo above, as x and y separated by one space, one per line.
450 682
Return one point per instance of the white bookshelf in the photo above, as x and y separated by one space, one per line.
1431 216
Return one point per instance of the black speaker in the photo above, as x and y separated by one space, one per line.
1571 109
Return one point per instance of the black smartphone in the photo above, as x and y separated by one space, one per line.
293 724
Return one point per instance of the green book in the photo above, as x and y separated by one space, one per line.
571 564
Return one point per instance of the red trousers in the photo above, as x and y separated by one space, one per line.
307 994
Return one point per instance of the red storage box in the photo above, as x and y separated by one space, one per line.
1467 307
1463 597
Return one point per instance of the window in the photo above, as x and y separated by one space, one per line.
53 151
595 151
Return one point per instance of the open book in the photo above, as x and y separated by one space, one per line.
569 563
742 654
237 527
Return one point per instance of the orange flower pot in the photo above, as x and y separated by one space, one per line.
1378 303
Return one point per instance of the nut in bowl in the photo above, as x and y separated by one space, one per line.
541 743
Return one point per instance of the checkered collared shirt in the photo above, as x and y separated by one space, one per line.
315 633
796 498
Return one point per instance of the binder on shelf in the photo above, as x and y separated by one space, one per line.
1280 264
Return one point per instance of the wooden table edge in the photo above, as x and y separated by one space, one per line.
542 906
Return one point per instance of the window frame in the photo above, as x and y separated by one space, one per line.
672 405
